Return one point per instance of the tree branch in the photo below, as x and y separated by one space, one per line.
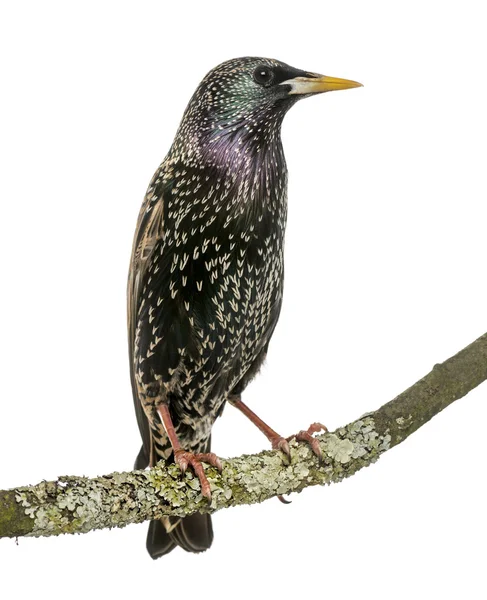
79 504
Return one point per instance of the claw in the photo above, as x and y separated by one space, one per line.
280 443
304 436
212 459
283 500
307 436
181 458
184 459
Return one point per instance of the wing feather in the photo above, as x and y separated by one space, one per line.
149 230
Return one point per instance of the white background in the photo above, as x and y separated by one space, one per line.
385 262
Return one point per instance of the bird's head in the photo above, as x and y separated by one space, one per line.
247 98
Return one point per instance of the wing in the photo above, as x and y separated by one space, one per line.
149 230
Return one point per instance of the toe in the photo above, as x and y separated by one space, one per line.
185 459
181 459
316 428
283 445
304 436
212 459
200 473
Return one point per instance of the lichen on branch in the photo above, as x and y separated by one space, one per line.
80 504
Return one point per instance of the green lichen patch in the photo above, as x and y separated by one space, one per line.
77 504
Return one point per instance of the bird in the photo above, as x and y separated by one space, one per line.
206 273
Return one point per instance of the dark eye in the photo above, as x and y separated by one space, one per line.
263 75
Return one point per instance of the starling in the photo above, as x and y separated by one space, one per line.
206 273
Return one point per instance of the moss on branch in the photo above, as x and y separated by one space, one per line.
79 504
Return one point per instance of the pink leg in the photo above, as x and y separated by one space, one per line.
184 458
277 441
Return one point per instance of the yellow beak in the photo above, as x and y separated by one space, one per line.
318 84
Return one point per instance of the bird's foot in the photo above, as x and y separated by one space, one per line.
307 436
185 459
282 444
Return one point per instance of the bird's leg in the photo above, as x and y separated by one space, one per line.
278 442
184 458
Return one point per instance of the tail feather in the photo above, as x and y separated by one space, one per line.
142 460
158 541
193 534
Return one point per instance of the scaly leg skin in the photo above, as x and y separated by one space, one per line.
277 441
184 458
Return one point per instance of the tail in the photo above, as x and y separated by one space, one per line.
193 533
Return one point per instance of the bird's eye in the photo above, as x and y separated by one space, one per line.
263 75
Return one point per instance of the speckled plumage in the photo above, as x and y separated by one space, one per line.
206 278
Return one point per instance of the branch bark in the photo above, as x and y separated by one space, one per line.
79 504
